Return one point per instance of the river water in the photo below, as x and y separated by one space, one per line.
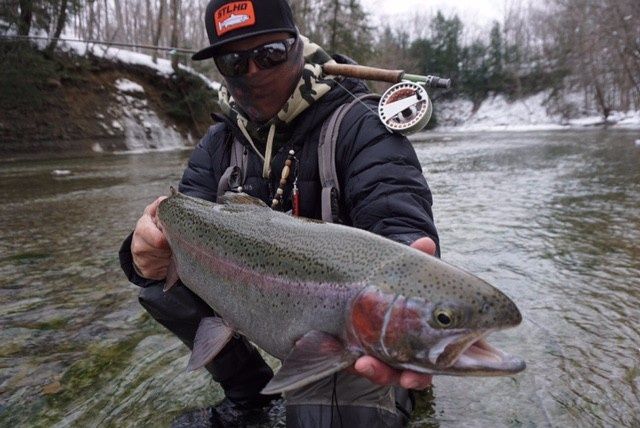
551 218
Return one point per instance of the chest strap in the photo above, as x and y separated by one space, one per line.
327 159
235 175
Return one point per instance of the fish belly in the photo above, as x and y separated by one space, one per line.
272 311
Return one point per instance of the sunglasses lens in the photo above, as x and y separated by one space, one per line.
266 56
270 55
232 64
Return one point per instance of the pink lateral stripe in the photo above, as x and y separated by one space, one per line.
237 273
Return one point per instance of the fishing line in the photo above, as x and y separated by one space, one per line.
334 400
357 99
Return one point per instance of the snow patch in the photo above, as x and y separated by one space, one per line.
497 113
127 86
162 66
143 130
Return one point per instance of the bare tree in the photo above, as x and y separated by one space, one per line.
26 14
158 34
175 8
60 24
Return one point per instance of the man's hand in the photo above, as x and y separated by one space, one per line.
380 373
149 246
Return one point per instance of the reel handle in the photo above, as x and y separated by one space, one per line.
364 72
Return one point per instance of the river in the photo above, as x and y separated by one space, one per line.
550 218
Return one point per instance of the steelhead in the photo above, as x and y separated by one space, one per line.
318 295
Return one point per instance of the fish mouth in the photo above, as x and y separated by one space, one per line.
471 354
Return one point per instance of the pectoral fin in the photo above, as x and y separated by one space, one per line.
172 276
315 356
212 335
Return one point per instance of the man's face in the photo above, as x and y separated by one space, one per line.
262 92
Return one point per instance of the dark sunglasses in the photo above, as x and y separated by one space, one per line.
269 55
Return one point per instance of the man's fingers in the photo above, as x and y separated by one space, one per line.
156 239
152 269
147 231
413 380
152 209
425 245
380 373
377 371
149 246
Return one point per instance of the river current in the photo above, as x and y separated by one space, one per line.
550 218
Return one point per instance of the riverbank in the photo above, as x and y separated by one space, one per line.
90 102
534 113
91 98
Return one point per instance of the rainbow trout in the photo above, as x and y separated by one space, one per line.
319 295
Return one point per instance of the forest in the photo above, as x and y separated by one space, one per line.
587 51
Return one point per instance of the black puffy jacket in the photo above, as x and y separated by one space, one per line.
383 189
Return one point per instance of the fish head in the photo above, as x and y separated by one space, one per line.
445 334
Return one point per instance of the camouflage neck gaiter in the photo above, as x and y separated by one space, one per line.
311 87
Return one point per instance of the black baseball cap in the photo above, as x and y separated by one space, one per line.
228 21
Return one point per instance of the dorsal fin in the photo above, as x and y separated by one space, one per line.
232 198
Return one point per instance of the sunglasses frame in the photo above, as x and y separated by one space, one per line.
241 63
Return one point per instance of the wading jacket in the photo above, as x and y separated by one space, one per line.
382 186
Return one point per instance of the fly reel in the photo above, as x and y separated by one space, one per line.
405 108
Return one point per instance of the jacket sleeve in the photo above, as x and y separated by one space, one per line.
200 180
383 188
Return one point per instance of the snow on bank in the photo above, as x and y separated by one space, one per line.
141 127
127 86
496 113
130 116
162 66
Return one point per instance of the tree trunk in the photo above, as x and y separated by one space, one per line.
62 20
121 26
175 8
147 23
106 21
92 20
26 13
156 39
334 26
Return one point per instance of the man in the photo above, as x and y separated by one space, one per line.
275 101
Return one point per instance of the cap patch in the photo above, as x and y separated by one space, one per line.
234 15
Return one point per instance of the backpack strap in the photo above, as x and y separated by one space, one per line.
234 176
327 159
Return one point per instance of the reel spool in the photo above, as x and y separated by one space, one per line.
405 108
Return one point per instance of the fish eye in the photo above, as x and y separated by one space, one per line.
443 317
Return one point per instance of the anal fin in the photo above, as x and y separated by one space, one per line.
315 356
212 335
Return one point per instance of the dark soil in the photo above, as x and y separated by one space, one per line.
58 103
